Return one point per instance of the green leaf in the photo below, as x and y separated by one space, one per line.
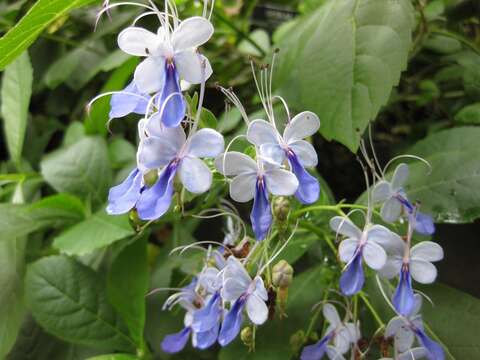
121 152
74 132
207 119
343 60
469 115
24 33
12 308
16 92
454 319
82 169
69 301
127 286
96 232
261 38
451 192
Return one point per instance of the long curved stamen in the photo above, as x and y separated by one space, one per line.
107 8
410 157
230 95
224 156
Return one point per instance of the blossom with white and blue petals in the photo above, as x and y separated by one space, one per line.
371 245
174 153
242 292
394 199
343 335
255 180
291 146
169 57
415 263
405 328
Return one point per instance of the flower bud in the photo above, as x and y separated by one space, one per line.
246 335
281 207
135 222
297 340
150 178
282 274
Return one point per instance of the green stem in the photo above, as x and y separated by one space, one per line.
308 226
372 309
457 37
238 31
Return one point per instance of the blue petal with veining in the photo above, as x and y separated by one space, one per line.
174 343
434 350
404 299
261 215
308 187
172 106
123 197
129 100
317 350
353 278
232 323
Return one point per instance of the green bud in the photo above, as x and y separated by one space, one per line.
246 336
297 340
281 207
282 274
135 222
150 178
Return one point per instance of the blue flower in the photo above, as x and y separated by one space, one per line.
392 195
371 245
242 292
123 197
416 264
255 180
292 147
174 153
169 57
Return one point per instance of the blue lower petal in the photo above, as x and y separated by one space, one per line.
125 103
209 316
123 197
317 350
404 299
174 343
155 201
308 187
207 338
434 350
352 279
424 224
231 323
173 105
261 215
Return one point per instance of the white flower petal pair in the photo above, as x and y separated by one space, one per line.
345 334
179 47
158 151
273 145
245 171
237 283
376 241
420 264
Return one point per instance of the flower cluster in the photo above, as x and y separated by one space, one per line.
170 58
215 303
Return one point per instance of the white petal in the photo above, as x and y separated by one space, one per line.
281 182
305 152
137 41
404 338
192 66
354 332
400 176
150 75
261 132
392 267
257 310
235 269
234 163
330 313
242 187
394 326
346 249
157 151
391 210
302 125
418 304
206 143
272 152
195 175
381 191
192 32
374 255
423 271
344 226
342 340
232 289
334 354
391 242
260 290
427 250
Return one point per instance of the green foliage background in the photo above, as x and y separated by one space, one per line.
73 280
